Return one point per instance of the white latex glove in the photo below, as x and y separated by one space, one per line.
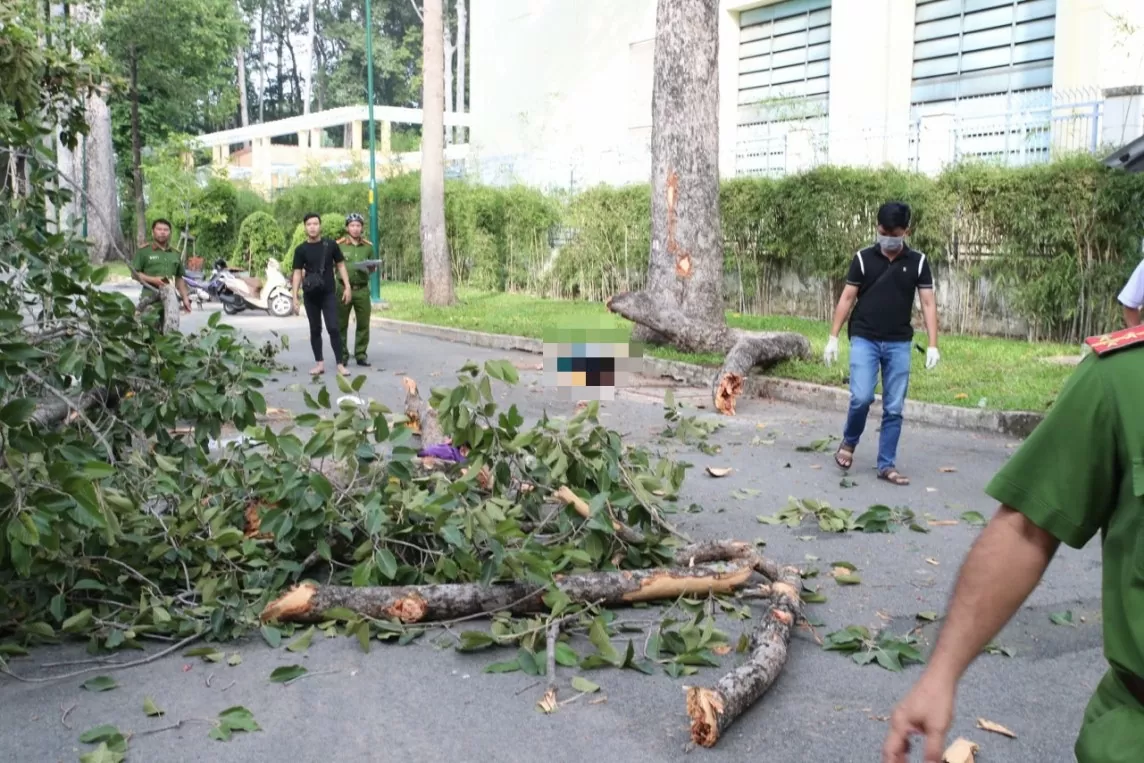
831 353
932 357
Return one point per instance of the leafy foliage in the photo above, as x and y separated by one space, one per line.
333 226
260 239
889 651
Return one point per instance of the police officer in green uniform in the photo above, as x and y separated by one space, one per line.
356 249
156 264
1081 471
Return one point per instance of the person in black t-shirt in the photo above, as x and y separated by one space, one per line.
314 263
880 288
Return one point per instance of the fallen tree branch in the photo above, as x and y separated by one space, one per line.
623 532
742 350
55 410
713 710
422 418
79 410
307 602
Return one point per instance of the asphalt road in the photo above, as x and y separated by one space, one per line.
423 702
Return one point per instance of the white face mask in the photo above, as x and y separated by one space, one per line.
891 243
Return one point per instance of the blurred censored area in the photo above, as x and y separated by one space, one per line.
590 363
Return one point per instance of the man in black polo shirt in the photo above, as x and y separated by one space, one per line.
882 281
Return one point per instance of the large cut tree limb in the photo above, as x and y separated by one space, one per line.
742 350
429 603
713 710
422 418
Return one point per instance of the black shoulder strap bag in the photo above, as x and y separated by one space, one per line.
315 283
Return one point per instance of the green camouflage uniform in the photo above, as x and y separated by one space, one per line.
1082 471
159 262
359 297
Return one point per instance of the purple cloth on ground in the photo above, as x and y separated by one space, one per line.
443 451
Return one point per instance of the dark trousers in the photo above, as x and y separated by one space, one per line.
318 307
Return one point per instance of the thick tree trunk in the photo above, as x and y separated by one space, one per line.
743 350
713 710
437 275
431 603
243 101
308 87
137 154
102 196
685 268
459 135
449 50
262 63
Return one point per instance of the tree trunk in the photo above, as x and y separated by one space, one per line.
713 710
137 154
243 101
262 63
459 135
685 268
308 87
682 302
431 603
421 416
449 50
102 197
437 276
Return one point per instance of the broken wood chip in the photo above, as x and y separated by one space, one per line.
719 471
931 560
996 728
548 702
943 522
961 751
947 469
721 649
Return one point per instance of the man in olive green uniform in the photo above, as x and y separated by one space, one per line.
156 264
356 249
1081 471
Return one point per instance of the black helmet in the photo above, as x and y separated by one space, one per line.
354 217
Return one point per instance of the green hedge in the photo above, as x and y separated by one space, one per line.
1060 238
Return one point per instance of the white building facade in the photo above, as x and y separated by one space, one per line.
561 89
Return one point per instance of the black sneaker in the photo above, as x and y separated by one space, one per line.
363 362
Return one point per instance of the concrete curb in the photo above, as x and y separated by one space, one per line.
836 399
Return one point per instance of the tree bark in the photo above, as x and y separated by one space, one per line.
685 268
137 153
713 710
311 38
430 603
449 50
243 101
437 275
262 63
459 135
743 350
422 418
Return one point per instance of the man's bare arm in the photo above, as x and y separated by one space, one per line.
929 312
845 305
1131 317
1001 570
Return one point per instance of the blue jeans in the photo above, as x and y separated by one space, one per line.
866 358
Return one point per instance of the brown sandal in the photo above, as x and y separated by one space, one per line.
892 476
844 456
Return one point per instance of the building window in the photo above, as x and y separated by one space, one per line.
784 80
989 63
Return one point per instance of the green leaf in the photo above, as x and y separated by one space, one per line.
928 616
287 673
387 563
582 684
847 579
17 411
472 641
598 635
973 518
150 709
528 662
100 683
271 635
96 470
566 656
102 733
302 643
102 754
234 659
502 667
1061 618
77 622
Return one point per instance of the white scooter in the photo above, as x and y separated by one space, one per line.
272 295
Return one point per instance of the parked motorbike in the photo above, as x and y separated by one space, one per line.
238 293
204 290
